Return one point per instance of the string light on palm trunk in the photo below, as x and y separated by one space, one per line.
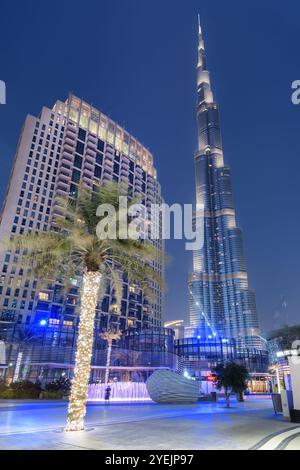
79 389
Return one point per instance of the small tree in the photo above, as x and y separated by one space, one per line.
109 336
231 377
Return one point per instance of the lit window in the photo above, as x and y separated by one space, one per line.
43 296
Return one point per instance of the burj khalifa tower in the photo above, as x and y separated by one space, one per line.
221 302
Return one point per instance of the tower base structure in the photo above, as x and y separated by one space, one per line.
200 355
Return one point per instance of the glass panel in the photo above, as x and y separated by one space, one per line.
84 116
93 127
126 144
83 121
73 115
119 139
102 127
111 133
132 148
139 154
95 115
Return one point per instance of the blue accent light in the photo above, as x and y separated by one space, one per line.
43 322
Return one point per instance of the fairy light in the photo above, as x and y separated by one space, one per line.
79 390
109 336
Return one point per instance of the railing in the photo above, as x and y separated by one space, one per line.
36 354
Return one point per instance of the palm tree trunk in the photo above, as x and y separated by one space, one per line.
109 346
79 389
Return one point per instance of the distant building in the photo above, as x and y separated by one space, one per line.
73 143
281 340
283 343
177 326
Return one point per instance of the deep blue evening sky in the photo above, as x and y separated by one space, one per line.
135 60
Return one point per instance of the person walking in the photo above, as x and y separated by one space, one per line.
107 394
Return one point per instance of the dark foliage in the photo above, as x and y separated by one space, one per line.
62 385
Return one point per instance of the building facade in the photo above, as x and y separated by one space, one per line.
45 353
73 143
221 302
177 326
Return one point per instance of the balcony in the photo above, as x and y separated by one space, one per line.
63 178
87 180
69 147
139 171
124 171
71 131
108 162
92 139
88 165
138 184
70 141
66 156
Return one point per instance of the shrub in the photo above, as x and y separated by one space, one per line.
26 389
61 385
7 394
52 395
3 385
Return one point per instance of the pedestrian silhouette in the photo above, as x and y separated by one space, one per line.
107 393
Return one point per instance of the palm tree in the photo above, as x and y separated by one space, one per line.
24 336
109 336
232 378
73 248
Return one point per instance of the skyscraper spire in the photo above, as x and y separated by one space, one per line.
220 298
204 92
201 52
199 25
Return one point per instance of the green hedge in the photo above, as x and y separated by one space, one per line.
24 389
18 394
52 395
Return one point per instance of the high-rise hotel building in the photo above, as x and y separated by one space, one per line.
221 302
73 143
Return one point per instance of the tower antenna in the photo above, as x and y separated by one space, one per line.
199 25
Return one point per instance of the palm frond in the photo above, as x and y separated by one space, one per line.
117 284
75 247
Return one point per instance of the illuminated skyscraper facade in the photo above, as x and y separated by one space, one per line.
70 144
221 303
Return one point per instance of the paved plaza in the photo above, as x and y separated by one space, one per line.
38 425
